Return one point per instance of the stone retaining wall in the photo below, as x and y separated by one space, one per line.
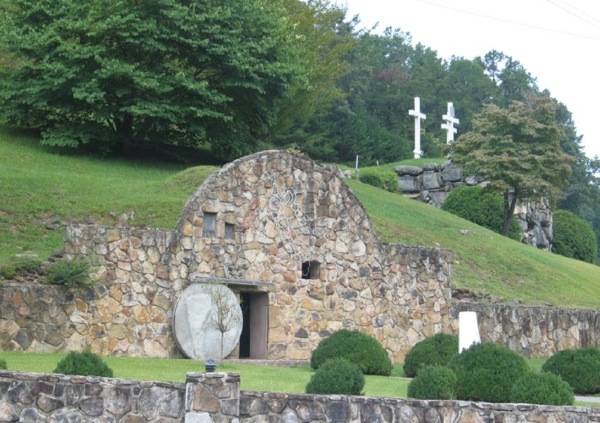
433 183
40 318
216 397
268 407
534 331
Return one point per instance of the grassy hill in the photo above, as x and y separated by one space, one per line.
40 190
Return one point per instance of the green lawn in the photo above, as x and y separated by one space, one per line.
483 261
253 377
37 185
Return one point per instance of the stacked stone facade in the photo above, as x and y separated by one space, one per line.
47 319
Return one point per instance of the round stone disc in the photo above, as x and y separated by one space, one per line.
207 321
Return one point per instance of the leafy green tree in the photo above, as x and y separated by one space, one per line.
518 150
118 74
325 40
372 121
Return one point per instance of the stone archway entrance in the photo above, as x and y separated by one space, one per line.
253 340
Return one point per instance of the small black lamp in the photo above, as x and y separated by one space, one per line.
210 365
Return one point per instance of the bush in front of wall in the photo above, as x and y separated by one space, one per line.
482 207
337 376
580 368
433 382
358 347
3 365
573 237
84 363
382 178
435 350
542 388
67 273
487 372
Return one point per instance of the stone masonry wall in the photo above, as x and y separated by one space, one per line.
216 397
433 183
129 316
35 398
48 319
534 331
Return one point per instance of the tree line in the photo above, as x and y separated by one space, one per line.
237 76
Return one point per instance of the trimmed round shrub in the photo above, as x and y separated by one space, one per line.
487 372
573 237
542 388
482 207
358 347
3 365
435 350
84 363
337 376
433 382
580 368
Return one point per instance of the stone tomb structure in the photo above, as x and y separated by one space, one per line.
284 233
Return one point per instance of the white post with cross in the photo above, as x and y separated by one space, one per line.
450 122
416 112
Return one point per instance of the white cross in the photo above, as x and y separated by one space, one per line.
450 122
416 112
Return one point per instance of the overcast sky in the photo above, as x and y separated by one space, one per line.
557 41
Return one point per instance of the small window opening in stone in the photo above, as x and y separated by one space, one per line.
209 224
310 270
229 234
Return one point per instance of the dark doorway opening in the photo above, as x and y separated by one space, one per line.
253 340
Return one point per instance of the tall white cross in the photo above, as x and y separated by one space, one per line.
416 112
450 122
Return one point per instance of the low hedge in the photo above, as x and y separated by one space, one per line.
542 388
383 178
84 363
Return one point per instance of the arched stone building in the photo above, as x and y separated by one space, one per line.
292 239
283 232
